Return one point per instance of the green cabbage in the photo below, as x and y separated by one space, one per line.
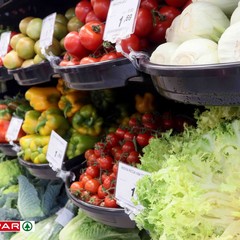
195 192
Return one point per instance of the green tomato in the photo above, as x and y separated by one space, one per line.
61 19
15 39
60 30
70 13
34 28
25 48
12 61
74 24
24 23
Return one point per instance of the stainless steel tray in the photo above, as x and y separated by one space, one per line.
35 74
101 75
210 84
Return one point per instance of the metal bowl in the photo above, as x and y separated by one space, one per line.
42 171
100 75
210 84
35 74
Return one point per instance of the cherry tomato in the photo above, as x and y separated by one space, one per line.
167 121
149 4
115 168
95 200
92 160
169 12
85 178
109 56
115 149
110 202
120 133
91 35
82 9
130 43
128 136
109 182
92 185
102 192
143 139
133 157
93 171
105 162
85 195
119 155
73 45
88 152
159 31
100 8
100 149
144 22
104 176
128 146
76 187
111 140
91 16
88 60
176 3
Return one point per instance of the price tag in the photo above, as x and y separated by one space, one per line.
4 43
127 178
121 19
46 36
56 151
14 128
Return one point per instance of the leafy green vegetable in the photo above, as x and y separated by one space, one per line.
84 228
195 192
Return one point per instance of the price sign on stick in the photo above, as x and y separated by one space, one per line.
46 36
127 178
4 43
121 19
56 151
14 128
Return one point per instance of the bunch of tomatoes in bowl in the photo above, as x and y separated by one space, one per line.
96 181
86 45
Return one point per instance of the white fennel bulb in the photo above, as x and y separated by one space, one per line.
162 54
195 51
227 6
235 17
198 20
229 44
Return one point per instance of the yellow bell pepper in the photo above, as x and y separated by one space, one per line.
42 98
145 103
30 121
63 88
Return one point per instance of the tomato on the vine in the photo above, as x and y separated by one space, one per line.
95 200
100 149
120 132
128 146
128 136
169 12
84 178
112 140
93 171
102 192
77 187
92 185
91 35
149 4
176 3
130 43
143 139
133 157
82 9
110 201
88 153
100 9
115 168
73 45
109 182
88 60
109 56
105 162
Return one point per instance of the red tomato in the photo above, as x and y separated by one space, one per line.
85 196
133 157
167 121
115 168
128 136
88 153
92 160
102 192
73 45
88 60
119 155
144 43
76 187
91 16
105 163
143 139
176 3
93 171
109 182
130 43
100 8
104 176
159 31
92 185
109 56
128 146
120 133
149 4
110 202
91 35
4 124
144 22
95 200
169 12
100 149
111 140
115 149
85 178
82 9
187 3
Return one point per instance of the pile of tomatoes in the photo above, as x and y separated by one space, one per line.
86 45
96 182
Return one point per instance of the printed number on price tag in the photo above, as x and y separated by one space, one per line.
14 128
121 19
127 178
56 151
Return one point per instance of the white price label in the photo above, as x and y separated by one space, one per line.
127 178
56 151
121 19
46 36
14 128
4 43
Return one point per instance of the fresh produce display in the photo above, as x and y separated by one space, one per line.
190 43
193 191
96 182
